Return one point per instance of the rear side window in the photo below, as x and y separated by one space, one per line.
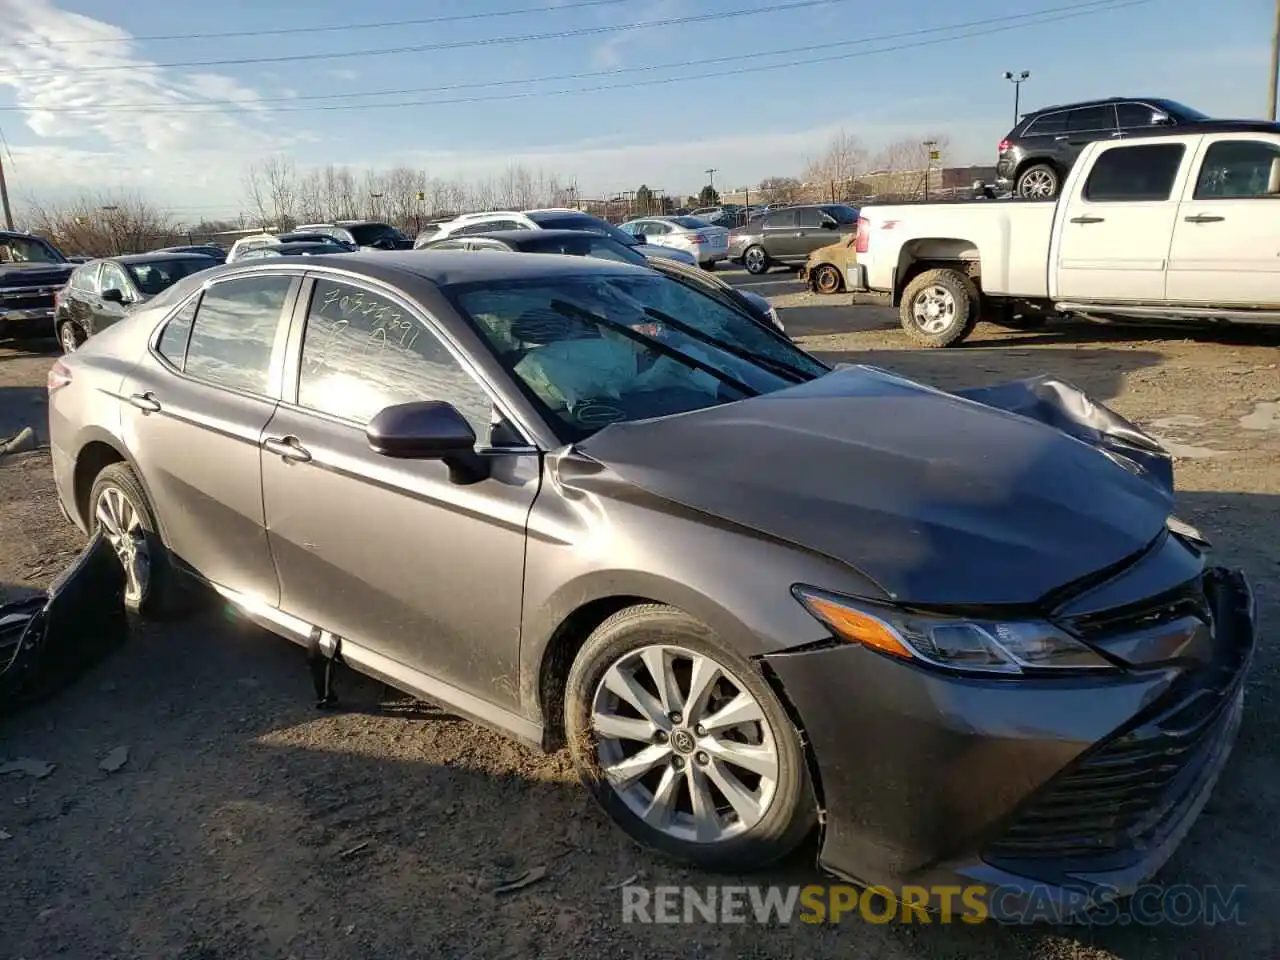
85 278
235 330
841 214
781 219
1092 120
809 217
1047 125
172 344
1134 173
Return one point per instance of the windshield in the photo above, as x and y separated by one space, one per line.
367 234
582 221
157 275
596 349
587 245
28 250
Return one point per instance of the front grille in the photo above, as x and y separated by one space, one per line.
1121 797
26 298
1189 599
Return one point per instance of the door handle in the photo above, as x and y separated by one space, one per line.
1087 219
1059 139
1204 218
145 401
799 233
287 447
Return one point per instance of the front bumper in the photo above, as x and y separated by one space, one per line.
27 324
1066 792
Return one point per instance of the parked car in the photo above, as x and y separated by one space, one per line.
361 234
32 271
787 236
208 250
827 269
1038 153
707 243
512 485
293 250
251 242
581 244
343 246
100 293
1150 226
551 219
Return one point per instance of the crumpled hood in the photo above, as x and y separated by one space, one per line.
34 275
939 499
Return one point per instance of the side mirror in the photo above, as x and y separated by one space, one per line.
428 430
829 224
1161 119
640 238
113 296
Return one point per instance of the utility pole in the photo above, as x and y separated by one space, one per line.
1275 67
4 195
928 163
1018 79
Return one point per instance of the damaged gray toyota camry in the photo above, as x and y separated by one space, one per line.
960 637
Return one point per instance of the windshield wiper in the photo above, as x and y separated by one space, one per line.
573 311
795 374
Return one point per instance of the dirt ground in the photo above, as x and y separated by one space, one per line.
246 825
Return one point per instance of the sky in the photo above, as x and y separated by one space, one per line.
99 96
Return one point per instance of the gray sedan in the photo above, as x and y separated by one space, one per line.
588 505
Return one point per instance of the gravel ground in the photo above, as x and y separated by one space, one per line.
245 825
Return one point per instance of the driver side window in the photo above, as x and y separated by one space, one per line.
113 278
362 352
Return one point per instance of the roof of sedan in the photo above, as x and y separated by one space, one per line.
445 267
156 256
516 236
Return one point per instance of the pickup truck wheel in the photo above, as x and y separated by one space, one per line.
756 260
939 308
1039 182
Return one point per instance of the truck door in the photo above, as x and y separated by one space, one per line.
1226 248
1112 238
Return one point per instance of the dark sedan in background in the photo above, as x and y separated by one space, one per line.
587 505
787 236
295 249
216 254
101 292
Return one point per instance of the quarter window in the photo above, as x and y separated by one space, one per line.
1239 168
173 340
235 331
362 352
1047 125
1137 173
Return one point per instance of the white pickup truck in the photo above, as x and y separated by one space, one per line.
1160 226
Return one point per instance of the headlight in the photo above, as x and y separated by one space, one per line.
984 646
777 320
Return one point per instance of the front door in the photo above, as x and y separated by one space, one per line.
816 228
105 313
1226 246
193 420
1112 241
389 553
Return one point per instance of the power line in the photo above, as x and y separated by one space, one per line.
451 44
984 27
332 28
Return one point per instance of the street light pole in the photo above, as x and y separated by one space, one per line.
1275 67
928 164
711 172
1018 79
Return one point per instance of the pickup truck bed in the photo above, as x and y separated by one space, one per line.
1147 226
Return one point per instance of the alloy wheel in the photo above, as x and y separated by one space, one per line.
755 260
121 523
684 745
934 309
1037 184
67 337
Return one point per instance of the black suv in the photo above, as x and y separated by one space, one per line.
1037 154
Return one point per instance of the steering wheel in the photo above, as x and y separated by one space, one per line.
597 411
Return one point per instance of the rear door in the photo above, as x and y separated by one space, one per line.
1226 244
816 228
1087 124
781 234
197 408
1113 231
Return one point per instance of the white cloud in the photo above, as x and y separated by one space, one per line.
609 53
141 149
345 75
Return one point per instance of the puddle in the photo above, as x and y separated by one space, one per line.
1181 420
1185 451
1265 416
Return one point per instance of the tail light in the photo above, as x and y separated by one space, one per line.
59 376
699 238
862 239
1004 145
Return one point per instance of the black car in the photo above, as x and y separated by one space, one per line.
204 249
101 292
576 243
32 271
1037 153
787 236
307 237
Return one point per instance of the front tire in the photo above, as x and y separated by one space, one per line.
118 506
708 266
70 336
939 308
683 743
756 260
826 279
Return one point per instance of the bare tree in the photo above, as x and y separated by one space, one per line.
779 189
103 224
901 168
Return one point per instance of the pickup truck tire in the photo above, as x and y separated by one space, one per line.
1038 182
939 308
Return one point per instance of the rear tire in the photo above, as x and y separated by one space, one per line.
1038 182
939 308
671 800
826 279
119 507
